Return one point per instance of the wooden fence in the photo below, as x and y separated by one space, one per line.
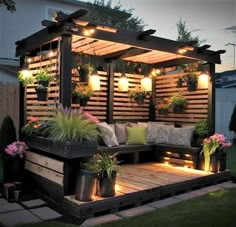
9 102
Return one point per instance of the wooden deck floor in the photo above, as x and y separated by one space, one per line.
141 183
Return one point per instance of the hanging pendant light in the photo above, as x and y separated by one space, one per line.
123 83
94 81
203 80
146 83
25 71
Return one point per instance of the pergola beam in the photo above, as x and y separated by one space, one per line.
124 54
61 17
152 43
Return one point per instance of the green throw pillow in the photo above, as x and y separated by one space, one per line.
136 135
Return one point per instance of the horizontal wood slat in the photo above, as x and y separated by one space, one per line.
197 101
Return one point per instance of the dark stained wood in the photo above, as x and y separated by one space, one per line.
65 72
211 99
110 92
141 183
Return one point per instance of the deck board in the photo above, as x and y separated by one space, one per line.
140 183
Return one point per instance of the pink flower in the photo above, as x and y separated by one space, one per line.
90 117
16 149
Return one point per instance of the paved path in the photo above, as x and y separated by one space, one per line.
37 210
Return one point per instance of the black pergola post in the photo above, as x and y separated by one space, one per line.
211 99
110 72
65 70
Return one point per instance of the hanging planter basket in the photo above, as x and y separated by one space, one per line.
76 99
178 109
84 101
42 95
162 111
139 100
192 85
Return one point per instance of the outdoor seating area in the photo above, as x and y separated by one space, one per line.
138 105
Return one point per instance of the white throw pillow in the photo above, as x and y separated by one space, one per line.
108 134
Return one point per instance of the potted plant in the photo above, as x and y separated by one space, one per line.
81 94
138 95
85 71
86 180
13 161
213 153
163 105
178 103
200 132
192 81
190 77
107 167
43 77
42 92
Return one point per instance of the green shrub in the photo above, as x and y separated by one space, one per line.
7 132
201 127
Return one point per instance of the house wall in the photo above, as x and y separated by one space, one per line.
225 102
25 21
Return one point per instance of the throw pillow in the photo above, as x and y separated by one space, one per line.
160 133
136 135
121 132
143 124
181 136
108 134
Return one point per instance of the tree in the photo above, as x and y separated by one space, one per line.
10 4
102 12
184 35
232 123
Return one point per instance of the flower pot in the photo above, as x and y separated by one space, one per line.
106 185
163 111
216 164
84 75
85 185
139 100
84 101
42 95
198 140
192 86
178 109
76 99
13 168
45 83
179 83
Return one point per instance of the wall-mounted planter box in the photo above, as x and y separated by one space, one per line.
67 150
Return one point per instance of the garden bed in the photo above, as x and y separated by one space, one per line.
67 150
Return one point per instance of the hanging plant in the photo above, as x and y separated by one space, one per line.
42 92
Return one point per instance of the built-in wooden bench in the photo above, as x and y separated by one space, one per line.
167 153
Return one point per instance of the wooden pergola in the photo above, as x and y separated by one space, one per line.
66 36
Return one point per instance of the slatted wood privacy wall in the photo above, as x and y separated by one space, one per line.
97 104
9 102
126 109
197 101
44 110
